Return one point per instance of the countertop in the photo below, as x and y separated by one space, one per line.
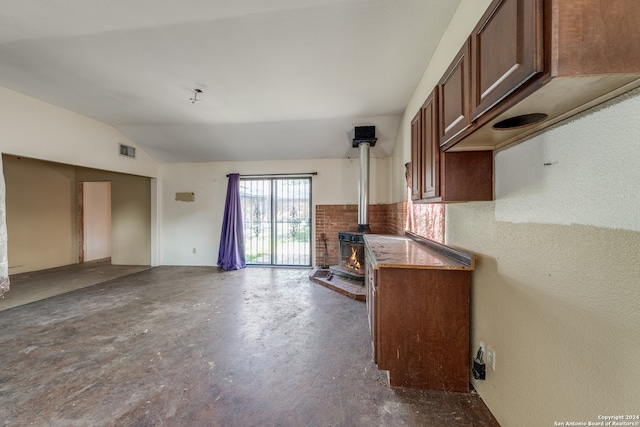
407 252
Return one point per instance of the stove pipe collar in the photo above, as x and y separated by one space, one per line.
364 134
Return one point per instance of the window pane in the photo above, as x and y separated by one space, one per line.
256 215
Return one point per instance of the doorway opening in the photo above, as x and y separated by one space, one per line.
94 221
276 216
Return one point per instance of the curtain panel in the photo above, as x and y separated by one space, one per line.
231 252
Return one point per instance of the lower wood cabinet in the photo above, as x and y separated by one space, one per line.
419 316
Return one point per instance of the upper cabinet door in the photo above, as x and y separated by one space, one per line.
416 154
430 148
506 51
455 97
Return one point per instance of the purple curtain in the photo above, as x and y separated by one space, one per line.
231 253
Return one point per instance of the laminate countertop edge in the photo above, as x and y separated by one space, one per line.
413 251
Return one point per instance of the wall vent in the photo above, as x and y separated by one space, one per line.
127 151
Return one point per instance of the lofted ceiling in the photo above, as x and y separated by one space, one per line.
280 79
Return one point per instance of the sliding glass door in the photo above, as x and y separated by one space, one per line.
276 214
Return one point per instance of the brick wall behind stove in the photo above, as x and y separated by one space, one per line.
330 219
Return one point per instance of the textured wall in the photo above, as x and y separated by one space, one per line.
556 290
581 173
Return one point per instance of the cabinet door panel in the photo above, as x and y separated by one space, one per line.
430 148
506 51
467 176
416 154
423 328
455 102
371 301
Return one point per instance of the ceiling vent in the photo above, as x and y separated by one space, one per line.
127 151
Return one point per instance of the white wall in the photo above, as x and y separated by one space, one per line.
32 128
187 225
556 288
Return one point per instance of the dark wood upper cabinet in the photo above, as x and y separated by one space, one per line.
548 59
506 51
430 150
593 37
416 155
445 177
455 93
466 176
527 65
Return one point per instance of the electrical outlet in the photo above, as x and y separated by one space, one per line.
491 358
194 250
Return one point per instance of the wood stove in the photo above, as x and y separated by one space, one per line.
351 255
351 250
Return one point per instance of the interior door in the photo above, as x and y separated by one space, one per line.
96 220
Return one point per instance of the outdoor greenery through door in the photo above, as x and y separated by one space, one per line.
276 214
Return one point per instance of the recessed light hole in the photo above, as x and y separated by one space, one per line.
520 121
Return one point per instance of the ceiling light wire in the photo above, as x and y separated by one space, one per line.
196 92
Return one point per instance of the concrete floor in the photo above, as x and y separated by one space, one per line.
196 346
38 285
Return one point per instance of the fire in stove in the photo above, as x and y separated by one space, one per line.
351 256
353 263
